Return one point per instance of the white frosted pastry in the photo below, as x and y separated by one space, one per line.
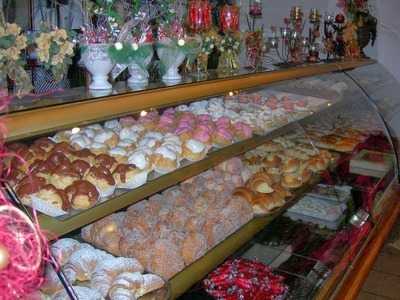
128 133
90 133
95 127
118 152
113 125
80 141
182 108
140 159
137 128
148 143
127 144
194 150
154 135
107 137
165 160
98 148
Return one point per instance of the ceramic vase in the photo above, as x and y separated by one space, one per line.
99 65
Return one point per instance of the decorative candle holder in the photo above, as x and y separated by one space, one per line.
313 35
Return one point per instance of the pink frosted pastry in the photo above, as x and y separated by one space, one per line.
301 104
184 131
203 118
242 131
223 122
272 102
203 134
222 137
127 121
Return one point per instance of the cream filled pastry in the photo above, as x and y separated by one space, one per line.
140 159
113 125
63 176
82 194
107 137
106 161
53 196
128 133
128 176
29 186
102 179
149 143
80 142
165 160
98 148
128 145
120 154
194 150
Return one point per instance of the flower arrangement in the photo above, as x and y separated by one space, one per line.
229 46
55 50
210 41
12 44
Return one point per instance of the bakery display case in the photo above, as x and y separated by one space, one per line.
207 190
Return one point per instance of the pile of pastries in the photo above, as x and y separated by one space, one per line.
279 166
171 230
96 274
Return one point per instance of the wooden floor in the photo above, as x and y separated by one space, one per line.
383 282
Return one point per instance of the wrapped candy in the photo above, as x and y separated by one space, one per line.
229 18
242 279
199 15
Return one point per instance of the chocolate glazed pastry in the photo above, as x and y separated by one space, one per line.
106 161
82 194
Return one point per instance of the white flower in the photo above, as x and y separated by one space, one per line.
207 39
222 49
223 42
229 50
118 46
135 46
181 42
212 46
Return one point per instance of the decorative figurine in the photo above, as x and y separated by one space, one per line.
334 36
314 34
350 41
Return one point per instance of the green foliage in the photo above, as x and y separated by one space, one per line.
128 54
7 41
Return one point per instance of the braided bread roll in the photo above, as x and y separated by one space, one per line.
105 272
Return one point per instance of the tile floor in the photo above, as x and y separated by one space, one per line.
383 282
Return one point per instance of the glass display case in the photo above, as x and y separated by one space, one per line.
294 169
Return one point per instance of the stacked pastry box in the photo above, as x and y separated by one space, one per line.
76 169
324 206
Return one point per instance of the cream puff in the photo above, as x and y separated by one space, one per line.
53 196
141 159
102 179
127 133
29 186
194 150
44 143
165 160
106 161
85 155
64 175
113 125
80 141
82 194
98 148
120 154
107 137
43 169
81 167
129 176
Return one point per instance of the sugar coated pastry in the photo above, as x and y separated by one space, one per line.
120 154
164 160
107 137
141 159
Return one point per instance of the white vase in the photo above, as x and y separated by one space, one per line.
99 64
172 59
139 74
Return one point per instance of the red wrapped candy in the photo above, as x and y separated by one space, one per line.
229 18
199 15
243 279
